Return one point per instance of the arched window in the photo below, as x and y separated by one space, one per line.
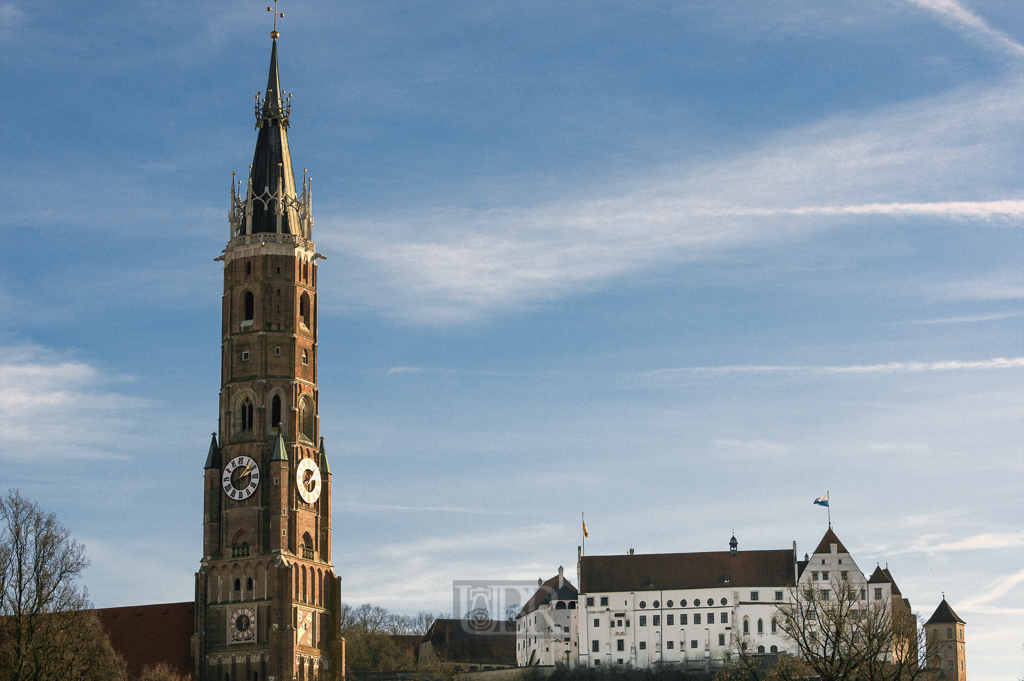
760 626
248 268
238 585
275 411
304 584
304 309
250 306
246 415
249 584
306 418
760 649
775 649
746 626
774 626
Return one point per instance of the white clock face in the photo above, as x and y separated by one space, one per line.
241 477
307 478
243 624
303 632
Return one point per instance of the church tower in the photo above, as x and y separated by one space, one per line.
266 591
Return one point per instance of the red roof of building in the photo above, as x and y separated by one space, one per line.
549 591
944 615
149 634
654 572
824 546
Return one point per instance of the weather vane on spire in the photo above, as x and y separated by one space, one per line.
274 33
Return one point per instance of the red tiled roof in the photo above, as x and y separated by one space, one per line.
944 614
149 634
549 591
824 546
878 576
653 572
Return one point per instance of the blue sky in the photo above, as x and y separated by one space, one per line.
680 267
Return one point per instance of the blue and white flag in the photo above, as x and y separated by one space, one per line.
822 501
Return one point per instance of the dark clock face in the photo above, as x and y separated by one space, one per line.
243 624
240 478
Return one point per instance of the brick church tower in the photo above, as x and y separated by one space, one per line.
266 591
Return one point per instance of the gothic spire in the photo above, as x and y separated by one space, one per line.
271 202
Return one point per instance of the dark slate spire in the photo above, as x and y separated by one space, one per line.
324 468
944 614
272 108
271 179
280 449
213 457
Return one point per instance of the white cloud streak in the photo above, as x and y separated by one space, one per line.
456 265
888 368
959 15
58 404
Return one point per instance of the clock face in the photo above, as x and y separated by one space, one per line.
243 624
307 478
241 477
304 630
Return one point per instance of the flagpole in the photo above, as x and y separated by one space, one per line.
829 507
583 517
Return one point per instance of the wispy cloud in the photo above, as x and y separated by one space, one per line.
60 404
999 589
968 319
890 367
959 15
356 506
457 264
979 542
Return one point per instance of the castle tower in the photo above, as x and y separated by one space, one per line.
944 633
266 591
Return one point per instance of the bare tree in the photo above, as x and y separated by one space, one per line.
837 635
45 630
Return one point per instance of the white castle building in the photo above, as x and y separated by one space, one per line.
644 610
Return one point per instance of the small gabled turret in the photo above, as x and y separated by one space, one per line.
280 452
213 456
324 468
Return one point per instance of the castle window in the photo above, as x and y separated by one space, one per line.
277 351
643 620
878 594
721 639
670 620
604 600
682 620
643 645
245 355
248 584
778 595
656 620
711 618
305 357
775 627
824 575
814 576
725 618
670 645
949 632
238 585
275 411
760 627
250 306
775 649
696 618
746 626
248 268
753 595
760 649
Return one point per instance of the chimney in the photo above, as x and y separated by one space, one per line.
561 577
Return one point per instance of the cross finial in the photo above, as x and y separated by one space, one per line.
274 33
